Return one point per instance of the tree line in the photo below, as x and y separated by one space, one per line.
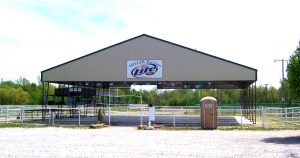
186 97
21 92
24 92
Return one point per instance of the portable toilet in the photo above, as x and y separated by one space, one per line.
209 113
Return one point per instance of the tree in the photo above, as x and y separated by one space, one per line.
293 74
10 95
21 92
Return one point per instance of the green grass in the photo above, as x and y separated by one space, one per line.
231 128
293 119
257 128
221 128
19 125
71 127
179 128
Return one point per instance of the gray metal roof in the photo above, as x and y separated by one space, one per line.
179 64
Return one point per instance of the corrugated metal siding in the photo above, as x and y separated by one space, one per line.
179 64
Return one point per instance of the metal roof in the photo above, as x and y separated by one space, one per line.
180 67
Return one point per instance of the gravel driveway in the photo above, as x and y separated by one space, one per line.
129 142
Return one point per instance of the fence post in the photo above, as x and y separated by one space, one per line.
141 116
174 123
109 116
6 116
263 116
78 116
241 117
128 110
22 115
49 113
299 113
285 115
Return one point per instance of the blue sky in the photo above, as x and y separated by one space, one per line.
36 35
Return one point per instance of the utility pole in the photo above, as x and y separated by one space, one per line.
282 82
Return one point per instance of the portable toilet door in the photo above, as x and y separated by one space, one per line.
209 113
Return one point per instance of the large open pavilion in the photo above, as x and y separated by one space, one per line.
147 60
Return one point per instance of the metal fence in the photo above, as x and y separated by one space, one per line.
274 116
135 115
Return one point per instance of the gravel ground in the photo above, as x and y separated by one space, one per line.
129 142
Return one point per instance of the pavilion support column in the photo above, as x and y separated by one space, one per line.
254 102
250 103
63 99
45 99
47 94
247 103
68 99
43 94
243 102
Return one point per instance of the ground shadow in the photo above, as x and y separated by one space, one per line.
283 140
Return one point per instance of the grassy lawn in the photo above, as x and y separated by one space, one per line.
19 125
258 128
255 127
229 128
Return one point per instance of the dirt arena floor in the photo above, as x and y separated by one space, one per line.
130 142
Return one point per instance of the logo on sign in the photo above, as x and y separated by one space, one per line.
144 68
